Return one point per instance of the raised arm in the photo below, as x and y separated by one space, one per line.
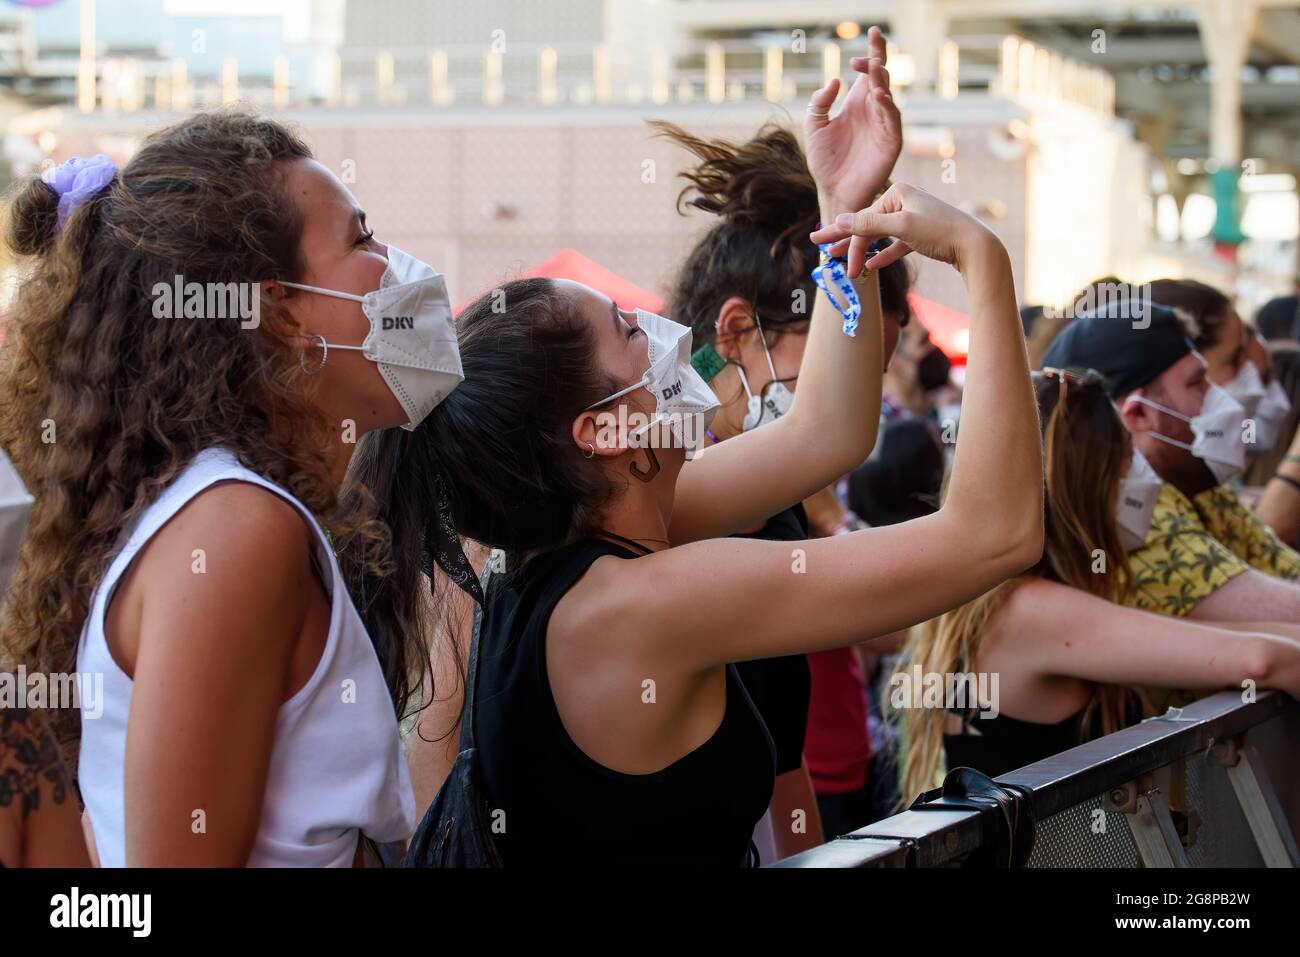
758 599
829 430
832 425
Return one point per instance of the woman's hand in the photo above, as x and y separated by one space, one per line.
852 154
916 220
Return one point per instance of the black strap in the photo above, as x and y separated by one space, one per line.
629 542
442 545
471 673
1289 481
1007 809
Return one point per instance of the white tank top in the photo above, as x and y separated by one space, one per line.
337 768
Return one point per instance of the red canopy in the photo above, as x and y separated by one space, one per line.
948 328
571 264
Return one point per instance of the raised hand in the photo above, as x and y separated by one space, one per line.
915 219
852 154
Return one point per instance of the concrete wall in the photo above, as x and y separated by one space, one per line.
585 177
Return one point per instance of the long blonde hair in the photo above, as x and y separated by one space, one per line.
1085 447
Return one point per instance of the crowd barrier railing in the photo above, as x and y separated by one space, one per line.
1208 785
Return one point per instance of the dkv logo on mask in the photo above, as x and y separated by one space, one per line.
684 403
416 349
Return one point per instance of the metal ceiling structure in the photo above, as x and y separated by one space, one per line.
1163 55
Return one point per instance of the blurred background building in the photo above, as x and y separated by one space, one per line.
1095 136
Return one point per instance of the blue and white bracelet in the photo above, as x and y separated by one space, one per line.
831 271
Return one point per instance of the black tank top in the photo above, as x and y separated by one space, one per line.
561 807
781 687
998 745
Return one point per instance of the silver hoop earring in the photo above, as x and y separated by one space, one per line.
325 354
590 453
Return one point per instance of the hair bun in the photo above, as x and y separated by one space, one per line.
763 182
33 218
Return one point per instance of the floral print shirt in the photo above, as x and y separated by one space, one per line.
1182 562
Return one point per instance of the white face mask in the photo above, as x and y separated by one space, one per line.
1136 501
412 335
771 405
1270 417
1247 387
1216 430
682 398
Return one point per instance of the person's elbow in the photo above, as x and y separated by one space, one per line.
999 546
1261 662
1026 549
866 444
856 446
1017 545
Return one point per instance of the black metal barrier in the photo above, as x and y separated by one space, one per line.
1209 785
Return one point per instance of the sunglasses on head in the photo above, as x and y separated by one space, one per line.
1066 376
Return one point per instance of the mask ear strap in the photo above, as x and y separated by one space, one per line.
744 381
324 292
1196 352
621 392
1156 405
1156 435
1168 441
766 352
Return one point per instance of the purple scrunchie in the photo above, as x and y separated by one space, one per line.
78 179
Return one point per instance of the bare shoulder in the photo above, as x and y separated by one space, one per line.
235 528
1030 606
232 570
242 511
604 591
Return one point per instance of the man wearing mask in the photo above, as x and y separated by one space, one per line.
1237 360
1187 434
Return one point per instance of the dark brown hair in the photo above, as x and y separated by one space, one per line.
1285 363
766 203
498 449
1205 304
133 397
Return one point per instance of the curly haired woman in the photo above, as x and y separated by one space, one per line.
185 463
